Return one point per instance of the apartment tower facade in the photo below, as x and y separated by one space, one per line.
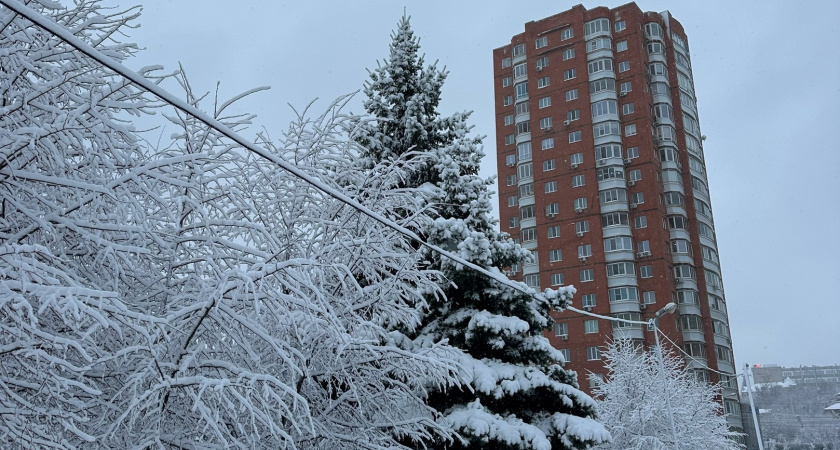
602 176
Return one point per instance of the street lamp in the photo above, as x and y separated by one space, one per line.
667 309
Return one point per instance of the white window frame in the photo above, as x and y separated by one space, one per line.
630 130
575 136
568 54
567 33
553 231
578 181
623 66
571 94
550 186
620 46
590 326
570 74
541 42
587 275
593 354
547 143
548 165
555 255
545 102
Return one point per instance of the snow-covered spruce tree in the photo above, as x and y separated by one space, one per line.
518 396
633 406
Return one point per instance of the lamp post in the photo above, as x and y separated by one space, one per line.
667 309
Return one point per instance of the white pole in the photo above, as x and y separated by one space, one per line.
748 379
665 383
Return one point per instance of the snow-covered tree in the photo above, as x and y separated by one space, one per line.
632 403
194 296
518 396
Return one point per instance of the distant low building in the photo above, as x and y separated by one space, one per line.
772 373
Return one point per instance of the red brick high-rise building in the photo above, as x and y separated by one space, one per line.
602 175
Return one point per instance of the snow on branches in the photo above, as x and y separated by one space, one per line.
633 406
193 295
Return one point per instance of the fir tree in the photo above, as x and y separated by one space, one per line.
517 396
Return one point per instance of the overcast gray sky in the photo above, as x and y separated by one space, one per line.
767 76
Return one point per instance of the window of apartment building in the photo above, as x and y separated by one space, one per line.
551 209
505 63
506 81
523 151
593 353
578 181
580 203
613 219
630 130
509 119
635 175
574 136
576 158
633 152
674 199
584 251
526 190
509 139
624 294
545 123
621 46
573 115
601 43
602 85
621 269
512 200
542 62
619 243
595 380
521 90
510 160
511 180
548 164
646 271
612 195
543 82
600 65
527 212
627 86
691 322
565 353
604 107
550 186
582 226
546 144
522 107
677 222
627 109
587 275
542 42
569 53
608 151
571 94
590 326
680 247
605 129
513 222
569 74
519 50
554 231
529 234
567 33
555 255
649 297
638 198
532 280
608 173
545 102
640 222
588 300
688 297
695 349
508 100
620 26
596 26
643 246
623 66
685 271
556 279
520 70
526 171
561 328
